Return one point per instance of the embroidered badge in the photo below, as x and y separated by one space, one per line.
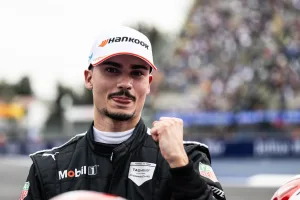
207 171
25 190
140 172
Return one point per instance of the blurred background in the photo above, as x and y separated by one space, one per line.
230 69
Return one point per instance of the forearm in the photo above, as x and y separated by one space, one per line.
187 184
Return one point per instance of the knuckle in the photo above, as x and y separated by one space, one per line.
165 125
170 122
178 121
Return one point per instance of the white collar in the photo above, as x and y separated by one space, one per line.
111 137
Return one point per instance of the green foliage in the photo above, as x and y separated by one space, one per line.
22 88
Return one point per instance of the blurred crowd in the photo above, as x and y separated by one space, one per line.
239 55
233 55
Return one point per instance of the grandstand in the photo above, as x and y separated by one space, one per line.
237 56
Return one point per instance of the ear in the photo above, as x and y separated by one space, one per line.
88 79
150 80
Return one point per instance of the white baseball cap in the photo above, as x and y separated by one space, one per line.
121 40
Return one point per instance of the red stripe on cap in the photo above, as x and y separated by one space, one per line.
126 53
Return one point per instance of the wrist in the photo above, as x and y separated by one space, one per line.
179 162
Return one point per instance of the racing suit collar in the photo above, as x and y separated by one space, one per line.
136 139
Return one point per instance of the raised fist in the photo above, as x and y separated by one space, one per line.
168 132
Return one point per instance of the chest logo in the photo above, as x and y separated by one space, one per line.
84 170
140 172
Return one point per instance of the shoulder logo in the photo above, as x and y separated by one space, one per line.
140 172
50 154
207 172
25 190
54 148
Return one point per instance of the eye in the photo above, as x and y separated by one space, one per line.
112 70
137 73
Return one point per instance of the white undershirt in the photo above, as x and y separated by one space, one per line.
111 137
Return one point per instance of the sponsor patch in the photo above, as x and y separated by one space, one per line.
24 192
84 170
207 171
140 172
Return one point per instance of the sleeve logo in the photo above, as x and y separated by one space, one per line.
25 190
207 171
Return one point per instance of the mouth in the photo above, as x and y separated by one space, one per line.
122 99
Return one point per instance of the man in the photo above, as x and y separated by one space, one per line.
119 155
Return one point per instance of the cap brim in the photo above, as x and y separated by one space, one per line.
124 53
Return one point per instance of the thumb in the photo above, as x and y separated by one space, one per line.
154 134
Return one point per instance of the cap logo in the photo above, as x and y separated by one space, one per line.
123 39
103 43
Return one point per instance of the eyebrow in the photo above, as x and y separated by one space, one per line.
139 67
118 65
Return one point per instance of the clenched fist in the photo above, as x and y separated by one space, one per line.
168 132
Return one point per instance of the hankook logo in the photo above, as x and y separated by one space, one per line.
123 39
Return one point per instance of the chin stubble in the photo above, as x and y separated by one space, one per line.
117 116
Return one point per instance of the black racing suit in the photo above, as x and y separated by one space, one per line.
134 170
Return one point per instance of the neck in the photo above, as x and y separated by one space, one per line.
104 123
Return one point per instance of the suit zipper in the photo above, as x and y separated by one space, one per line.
111 157
114 173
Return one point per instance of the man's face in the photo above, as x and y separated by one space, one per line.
120 85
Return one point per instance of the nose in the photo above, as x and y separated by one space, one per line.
125 82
